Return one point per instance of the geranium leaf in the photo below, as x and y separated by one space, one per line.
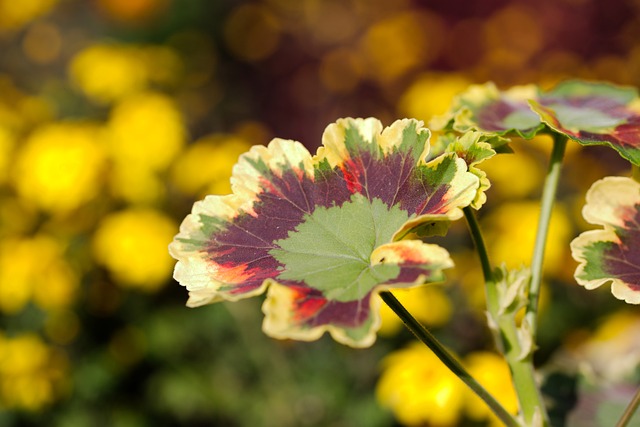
594 114
486 109
324 232
611 254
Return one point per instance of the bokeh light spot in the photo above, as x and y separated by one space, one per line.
252 32
42 43
341 70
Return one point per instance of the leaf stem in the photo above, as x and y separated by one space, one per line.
439 350
546 206
631 409
507 338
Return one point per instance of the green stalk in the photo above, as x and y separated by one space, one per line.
450 362
631 409
546 207
521 365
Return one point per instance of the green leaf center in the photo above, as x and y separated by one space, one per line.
587 119
521 119
331 249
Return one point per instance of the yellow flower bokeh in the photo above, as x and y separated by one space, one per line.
205 166
398 44
146 130
136 185
431 94
511 232
60 165
132 245
492 372
108 72
502 169
32 375
34 269
419 389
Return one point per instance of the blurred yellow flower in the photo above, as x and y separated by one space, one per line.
15 14
108 72
31 374
511 232
135 185
401 43
419 388
492 372
430 95
35 269
132 245
522 164
205 166
429 304
59 167
146 130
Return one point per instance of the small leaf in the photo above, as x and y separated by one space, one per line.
525 338
611 254
474 149
323 233
512 286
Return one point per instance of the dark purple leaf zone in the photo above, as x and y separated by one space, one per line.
397 180
612 107
621 260
311 309
493 116
242 248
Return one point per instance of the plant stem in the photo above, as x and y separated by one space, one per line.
631 409
430 341
507 338
546 206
